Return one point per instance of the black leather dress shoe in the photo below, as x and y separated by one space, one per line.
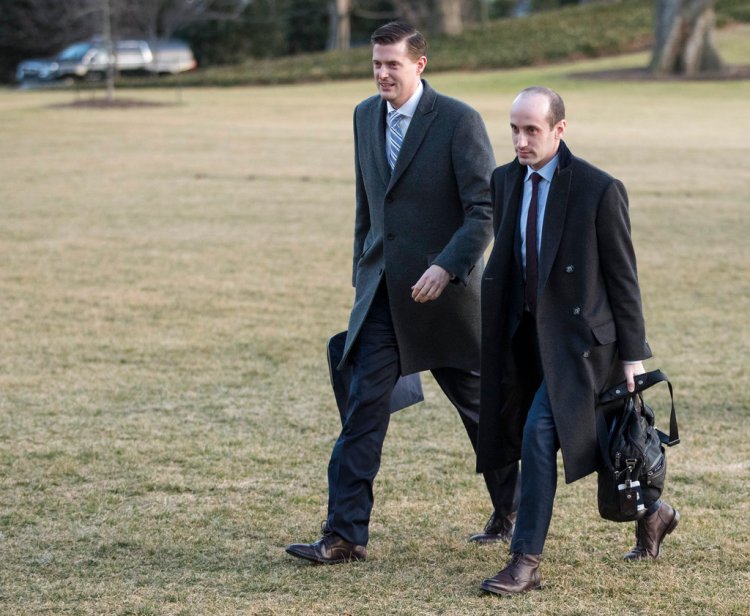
498 528
328 550
519 576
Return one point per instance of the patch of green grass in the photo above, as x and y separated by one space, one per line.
169 278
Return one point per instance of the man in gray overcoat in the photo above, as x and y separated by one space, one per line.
561 322
423 220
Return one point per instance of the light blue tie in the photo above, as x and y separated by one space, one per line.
395 137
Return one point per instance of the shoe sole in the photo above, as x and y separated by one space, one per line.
489 539
319 561
505 593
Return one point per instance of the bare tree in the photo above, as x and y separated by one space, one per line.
153 19
684 41
49 24
42 25
434 16
451 16
339 24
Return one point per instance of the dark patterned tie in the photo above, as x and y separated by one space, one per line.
532 261
395 137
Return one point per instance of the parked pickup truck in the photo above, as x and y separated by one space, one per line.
89 60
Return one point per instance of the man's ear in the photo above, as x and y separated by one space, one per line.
560 129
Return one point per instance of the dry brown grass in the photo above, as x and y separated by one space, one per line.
168 278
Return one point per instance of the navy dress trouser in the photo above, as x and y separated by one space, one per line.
355 459
539 465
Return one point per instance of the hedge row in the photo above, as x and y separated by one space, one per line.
579 31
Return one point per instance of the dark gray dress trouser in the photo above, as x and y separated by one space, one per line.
355 459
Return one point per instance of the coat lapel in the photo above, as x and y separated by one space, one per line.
506 233
420 123
512 207
381 160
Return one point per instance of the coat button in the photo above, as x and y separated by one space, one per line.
390 236
577 310
389 198
569 269
586 355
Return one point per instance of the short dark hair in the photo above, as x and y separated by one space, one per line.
556 105
397 31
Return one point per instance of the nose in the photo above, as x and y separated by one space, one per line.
521 140
382 72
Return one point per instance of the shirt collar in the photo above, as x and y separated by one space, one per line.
547 172
409 108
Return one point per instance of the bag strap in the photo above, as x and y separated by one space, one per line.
642 382
602 438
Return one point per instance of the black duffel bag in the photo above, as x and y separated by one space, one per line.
632 466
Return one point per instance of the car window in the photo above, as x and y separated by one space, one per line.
74 52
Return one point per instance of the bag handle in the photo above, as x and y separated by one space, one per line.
642 382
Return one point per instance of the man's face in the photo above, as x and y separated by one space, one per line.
534 140
396 73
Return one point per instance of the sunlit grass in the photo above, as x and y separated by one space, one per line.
168 278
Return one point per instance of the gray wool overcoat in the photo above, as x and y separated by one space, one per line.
434 208
589 314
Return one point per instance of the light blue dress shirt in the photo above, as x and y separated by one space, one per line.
408 109
547 172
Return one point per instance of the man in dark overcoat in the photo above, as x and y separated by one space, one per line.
561 322
422 222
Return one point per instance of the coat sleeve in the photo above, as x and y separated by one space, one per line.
362 208
619 270
473 162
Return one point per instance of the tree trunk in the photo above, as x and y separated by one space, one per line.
111 57
684 42
433 16
451 17
339 24
521 8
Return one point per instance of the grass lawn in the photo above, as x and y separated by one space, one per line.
168 278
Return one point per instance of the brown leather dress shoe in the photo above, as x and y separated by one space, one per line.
328 550
519 576
651 530
498 528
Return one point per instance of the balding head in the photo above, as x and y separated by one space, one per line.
537 121
556 107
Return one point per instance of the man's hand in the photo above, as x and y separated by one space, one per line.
430 285
631 371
